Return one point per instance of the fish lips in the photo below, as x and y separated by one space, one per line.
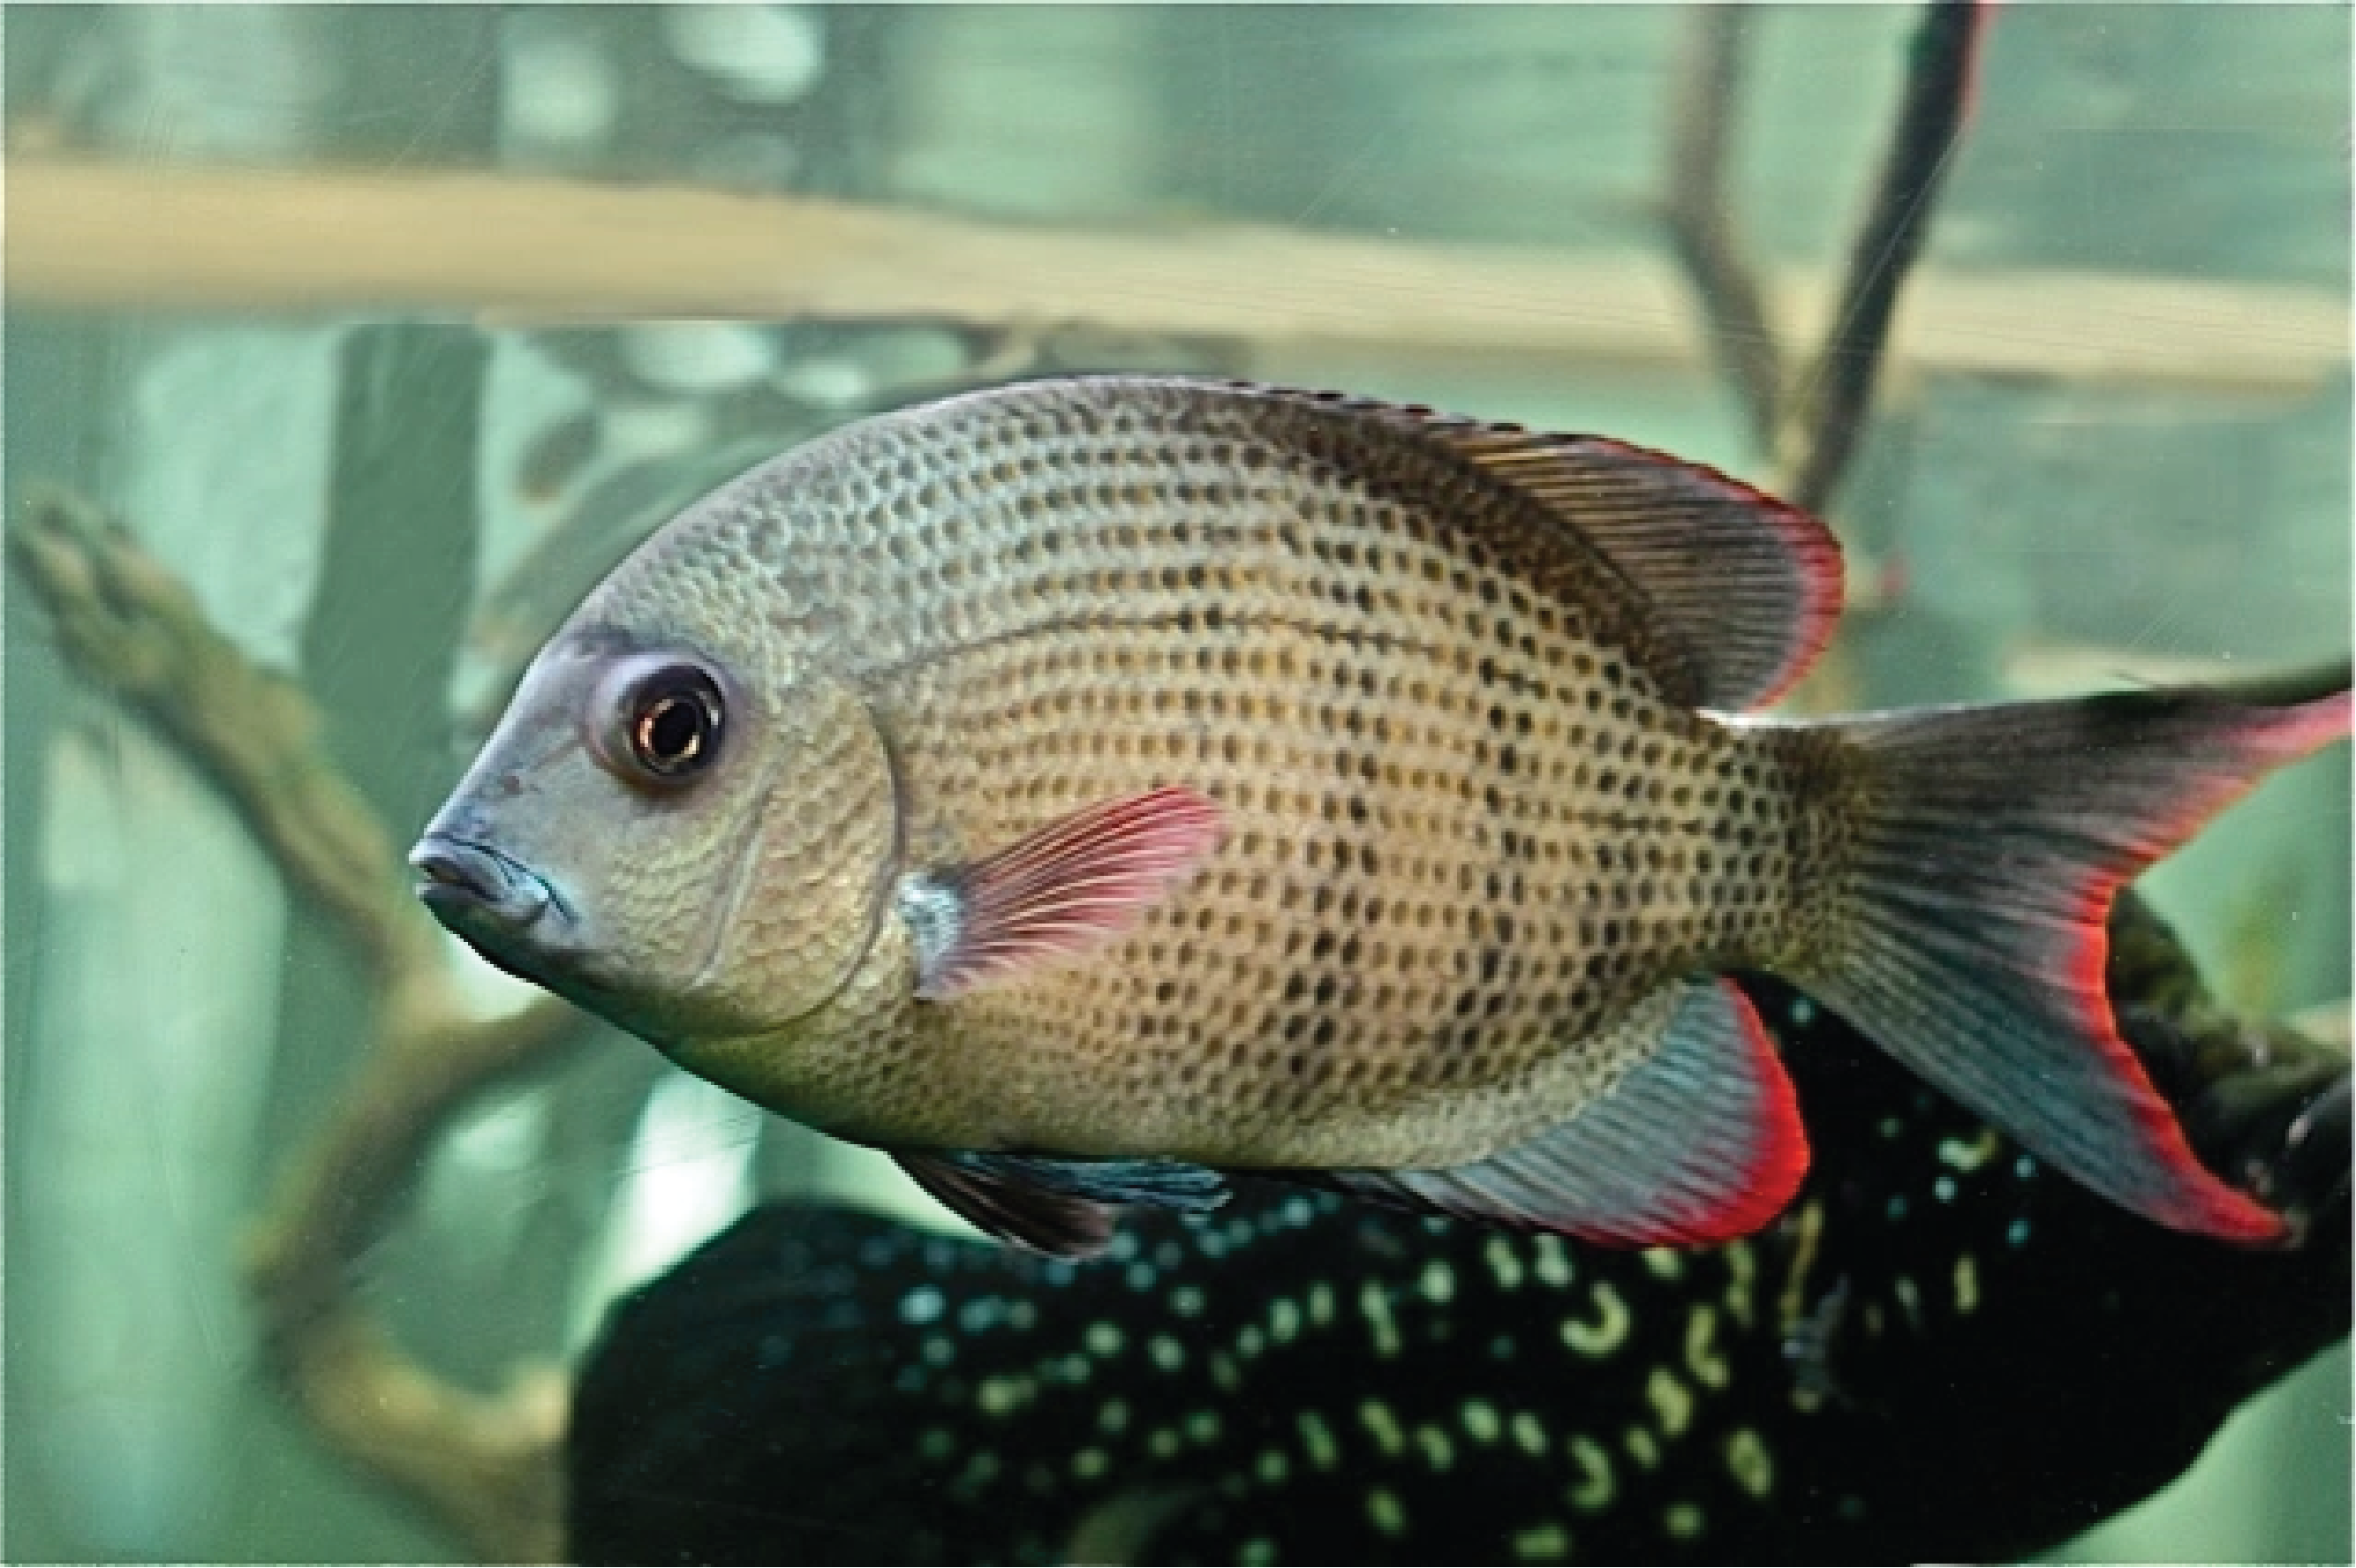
484 894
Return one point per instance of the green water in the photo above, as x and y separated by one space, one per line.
386 503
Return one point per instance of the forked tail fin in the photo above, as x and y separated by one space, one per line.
1992 843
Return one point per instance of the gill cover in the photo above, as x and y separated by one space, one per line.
809 887
714 849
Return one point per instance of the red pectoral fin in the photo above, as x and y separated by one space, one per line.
1076 882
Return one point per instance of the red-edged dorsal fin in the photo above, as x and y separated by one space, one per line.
1700 1142
1743 588
1073 883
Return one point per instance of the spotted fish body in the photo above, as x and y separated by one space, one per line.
1464 823
1122 775
1943 1352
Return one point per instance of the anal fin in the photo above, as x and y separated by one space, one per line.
1700 1142
1062 1207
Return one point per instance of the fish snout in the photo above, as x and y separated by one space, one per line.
459 879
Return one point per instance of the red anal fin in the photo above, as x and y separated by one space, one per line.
1075 883
1701 1141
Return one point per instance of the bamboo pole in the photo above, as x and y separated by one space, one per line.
96 235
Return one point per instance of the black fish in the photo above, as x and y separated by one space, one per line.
1941 1351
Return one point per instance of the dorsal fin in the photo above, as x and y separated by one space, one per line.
1743 588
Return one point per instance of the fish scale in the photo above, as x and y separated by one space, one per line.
1532 876
1112 775
1410 926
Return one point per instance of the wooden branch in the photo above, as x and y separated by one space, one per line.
1826 417
95 235
127 622
1708 83
1812 426
487 1467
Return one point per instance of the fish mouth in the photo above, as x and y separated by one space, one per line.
469 884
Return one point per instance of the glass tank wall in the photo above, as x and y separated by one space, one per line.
382 332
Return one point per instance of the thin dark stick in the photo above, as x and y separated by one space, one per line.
1708 79
1828 415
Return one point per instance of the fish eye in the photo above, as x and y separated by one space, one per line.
668 718
675 732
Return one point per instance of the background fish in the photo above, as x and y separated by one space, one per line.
1943 1353
1073 784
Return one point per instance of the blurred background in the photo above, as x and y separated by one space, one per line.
2113 445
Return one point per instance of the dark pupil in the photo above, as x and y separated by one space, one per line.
670 731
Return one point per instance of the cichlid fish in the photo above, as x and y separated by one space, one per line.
1086 786
1940 1353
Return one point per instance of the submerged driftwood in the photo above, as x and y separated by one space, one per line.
515 251
483 1466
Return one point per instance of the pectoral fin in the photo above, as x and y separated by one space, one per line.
1062 1207
1078 881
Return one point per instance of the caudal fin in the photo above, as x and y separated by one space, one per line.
1992 843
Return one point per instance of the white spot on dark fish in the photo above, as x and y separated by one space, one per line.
1671 1401
1317 1440
1746 1461
1603 1335
1596 1485
1542 1543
